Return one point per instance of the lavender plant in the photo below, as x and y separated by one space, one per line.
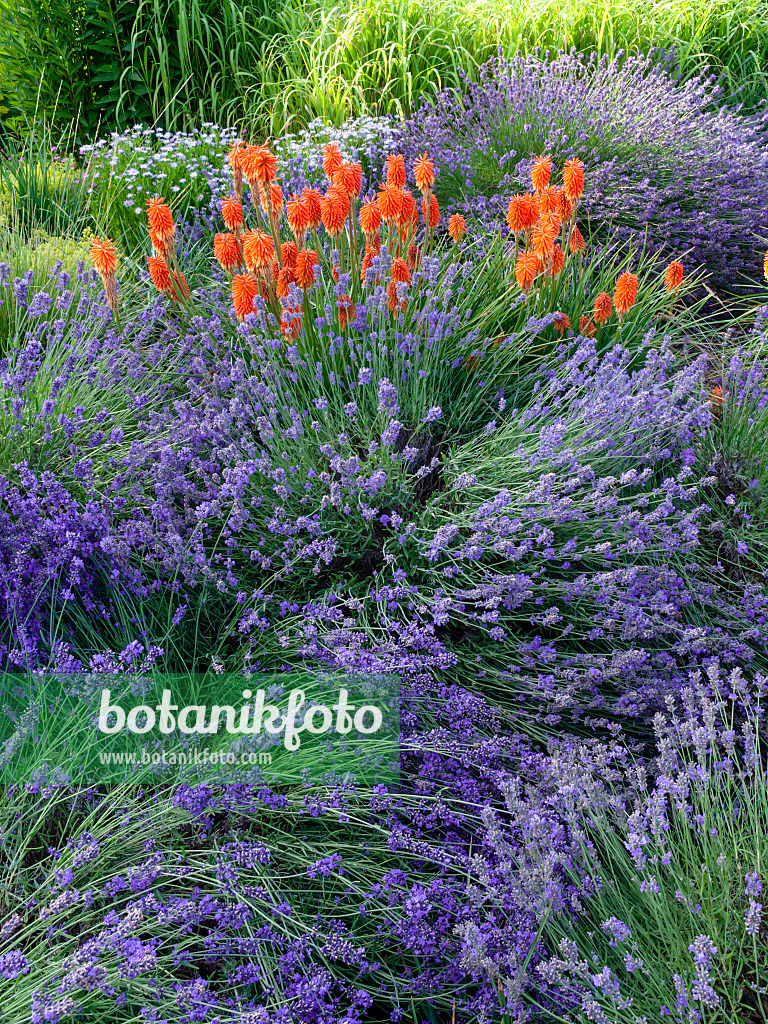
671 163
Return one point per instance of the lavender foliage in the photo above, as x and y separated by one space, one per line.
669 164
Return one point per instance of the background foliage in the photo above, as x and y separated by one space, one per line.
273 65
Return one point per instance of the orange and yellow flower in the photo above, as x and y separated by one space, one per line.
104 259
558 260
285 277
288 254
290 325
526 268
305 264
312 199
161 276
332 159
259 165
226 251
400 271
244 291
232 212
541 172
602 308
625 293
424 173
334 209
346 179
390 200
457 227
573 179
347 311
258 250
518 215
160 220
548 199
673 276
431 211
563 205
370 219
297 213
530 207
396 170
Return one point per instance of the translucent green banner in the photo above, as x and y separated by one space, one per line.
302 728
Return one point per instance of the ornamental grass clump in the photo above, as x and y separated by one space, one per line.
667 162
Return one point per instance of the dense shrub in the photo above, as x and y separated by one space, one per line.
667 162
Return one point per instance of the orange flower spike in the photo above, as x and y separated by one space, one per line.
517 215
311 198
530 208
161 278
413 256
457 227
573 179
716 398
563 206
358 172
104 258
345 179
258 250
625 293
558 260
400 271
431 214
424 173
390 201
673 276
586 328
285 277
160 219
244 291
264 165
232 212
548 199
289 253
334 209
602 308
575 240
541 172
562 324
407 211
276 198
543 240
550 222
526 268
370 218
305 264
765 266
367 261
396 170
226 251
332 159
297 212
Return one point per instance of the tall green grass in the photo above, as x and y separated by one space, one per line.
382 56
270 65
